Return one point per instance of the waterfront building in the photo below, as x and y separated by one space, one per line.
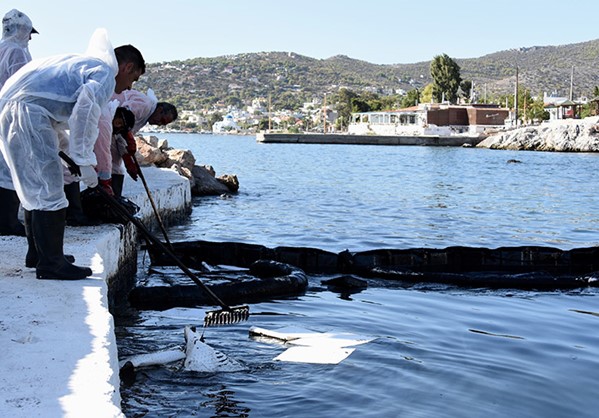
430 119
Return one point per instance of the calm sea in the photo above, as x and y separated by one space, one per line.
437 351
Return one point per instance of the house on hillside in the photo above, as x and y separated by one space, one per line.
430 119
227 125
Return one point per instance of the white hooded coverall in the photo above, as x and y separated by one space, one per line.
142 106
14 53
35 104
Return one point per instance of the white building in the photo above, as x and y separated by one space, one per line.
429 119
228 124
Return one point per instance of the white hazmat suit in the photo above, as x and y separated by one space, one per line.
35 103
14 54
14 46
142 106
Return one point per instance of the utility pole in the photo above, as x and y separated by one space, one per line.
324 114
516 100
269 114
572 84
525 100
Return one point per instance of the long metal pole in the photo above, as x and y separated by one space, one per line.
516 99
143 180
572 84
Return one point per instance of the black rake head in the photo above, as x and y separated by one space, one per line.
229 316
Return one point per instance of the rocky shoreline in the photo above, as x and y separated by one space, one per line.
567 135
203 179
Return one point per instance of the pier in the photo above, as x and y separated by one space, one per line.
424 140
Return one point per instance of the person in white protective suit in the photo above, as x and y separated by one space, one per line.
37 104
131 67
14 53
147 110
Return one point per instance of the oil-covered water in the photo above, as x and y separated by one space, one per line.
436 350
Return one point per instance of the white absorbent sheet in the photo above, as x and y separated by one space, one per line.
306 346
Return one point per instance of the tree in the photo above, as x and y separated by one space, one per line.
358 104
263 124
537 110
233 101
213 118
446 78
390 102
426 96
412 98
465 90
344 106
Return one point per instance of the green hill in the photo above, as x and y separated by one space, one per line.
290 79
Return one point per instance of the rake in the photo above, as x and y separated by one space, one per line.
227 314
151 199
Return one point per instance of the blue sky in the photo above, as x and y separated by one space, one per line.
377 31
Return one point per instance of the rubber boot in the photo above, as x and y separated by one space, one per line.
117 184
31 256
9 210
75 215
48 235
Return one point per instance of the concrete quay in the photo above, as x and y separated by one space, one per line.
430 140
59 355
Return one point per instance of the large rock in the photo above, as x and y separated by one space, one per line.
147 154
229 180
204 183
184 158
203 180
568 135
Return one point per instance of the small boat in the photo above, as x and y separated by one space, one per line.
524 267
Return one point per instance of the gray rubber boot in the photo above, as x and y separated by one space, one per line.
9 210
31 256
48 235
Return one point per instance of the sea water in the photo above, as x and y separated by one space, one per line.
436 350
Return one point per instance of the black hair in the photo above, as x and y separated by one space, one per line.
128 53
168 108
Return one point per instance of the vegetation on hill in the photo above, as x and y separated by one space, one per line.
288 79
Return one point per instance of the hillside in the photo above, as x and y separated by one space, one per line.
291 79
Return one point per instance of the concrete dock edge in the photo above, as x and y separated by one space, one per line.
59 355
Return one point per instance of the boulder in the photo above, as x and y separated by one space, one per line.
568 135
205 184
203 180
148 154
184 158
163 144
229 180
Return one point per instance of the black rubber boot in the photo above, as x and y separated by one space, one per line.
9 210
31 256
48 235
117 184
75 215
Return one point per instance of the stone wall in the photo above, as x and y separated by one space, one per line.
172 196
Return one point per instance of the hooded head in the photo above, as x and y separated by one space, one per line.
17 27
100 47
